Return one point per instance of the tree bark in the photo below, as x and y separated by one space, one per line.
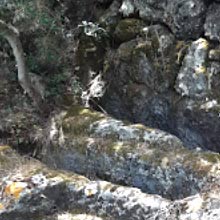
11 34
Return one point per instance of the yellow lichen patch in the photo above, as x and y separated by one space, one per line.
87 112
117 147
1 206
164 162
4 147
78 120
150 129
77 180
89 192
200 70
139 126
14 189
211 157
82 111
203 43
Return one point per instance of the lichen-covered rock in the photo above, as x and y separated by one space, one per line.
212 23
37 193
204 206
33 191
149 76
138 75
185 18
192 80
93 144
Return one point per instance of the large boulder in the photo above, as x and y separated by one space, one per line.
96 145
138 75
185 18
33 191
193 79
30 190
161 82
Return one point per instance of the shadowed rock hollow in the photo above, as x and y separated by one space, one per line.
162 70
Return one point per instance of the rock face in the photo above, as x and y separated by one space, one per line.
160 70
92 144
34 191
212 24
184 18
192 79
155 64
40 193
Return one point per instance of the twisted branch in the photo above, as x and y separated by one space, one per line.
11 34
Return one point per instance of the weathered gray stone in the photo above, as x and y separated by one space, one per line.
185 18
139 71
192 80
212 23
39 193
36 192
154 161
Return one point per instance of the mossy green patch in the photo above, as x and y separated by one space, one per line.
80 110
67 177
211 157
118 148
78 119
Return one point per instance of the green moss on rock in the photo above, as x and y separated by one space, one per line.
78 120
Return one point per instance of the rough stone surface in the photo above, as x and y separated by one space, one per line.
156 162
212 24
144 61
47 192
192 80
33 191
185 18
140 77
138 74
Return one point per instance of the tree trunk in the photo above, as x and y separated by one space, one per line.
11 34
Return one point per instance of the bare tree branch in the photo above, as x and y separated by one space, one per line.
11 34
